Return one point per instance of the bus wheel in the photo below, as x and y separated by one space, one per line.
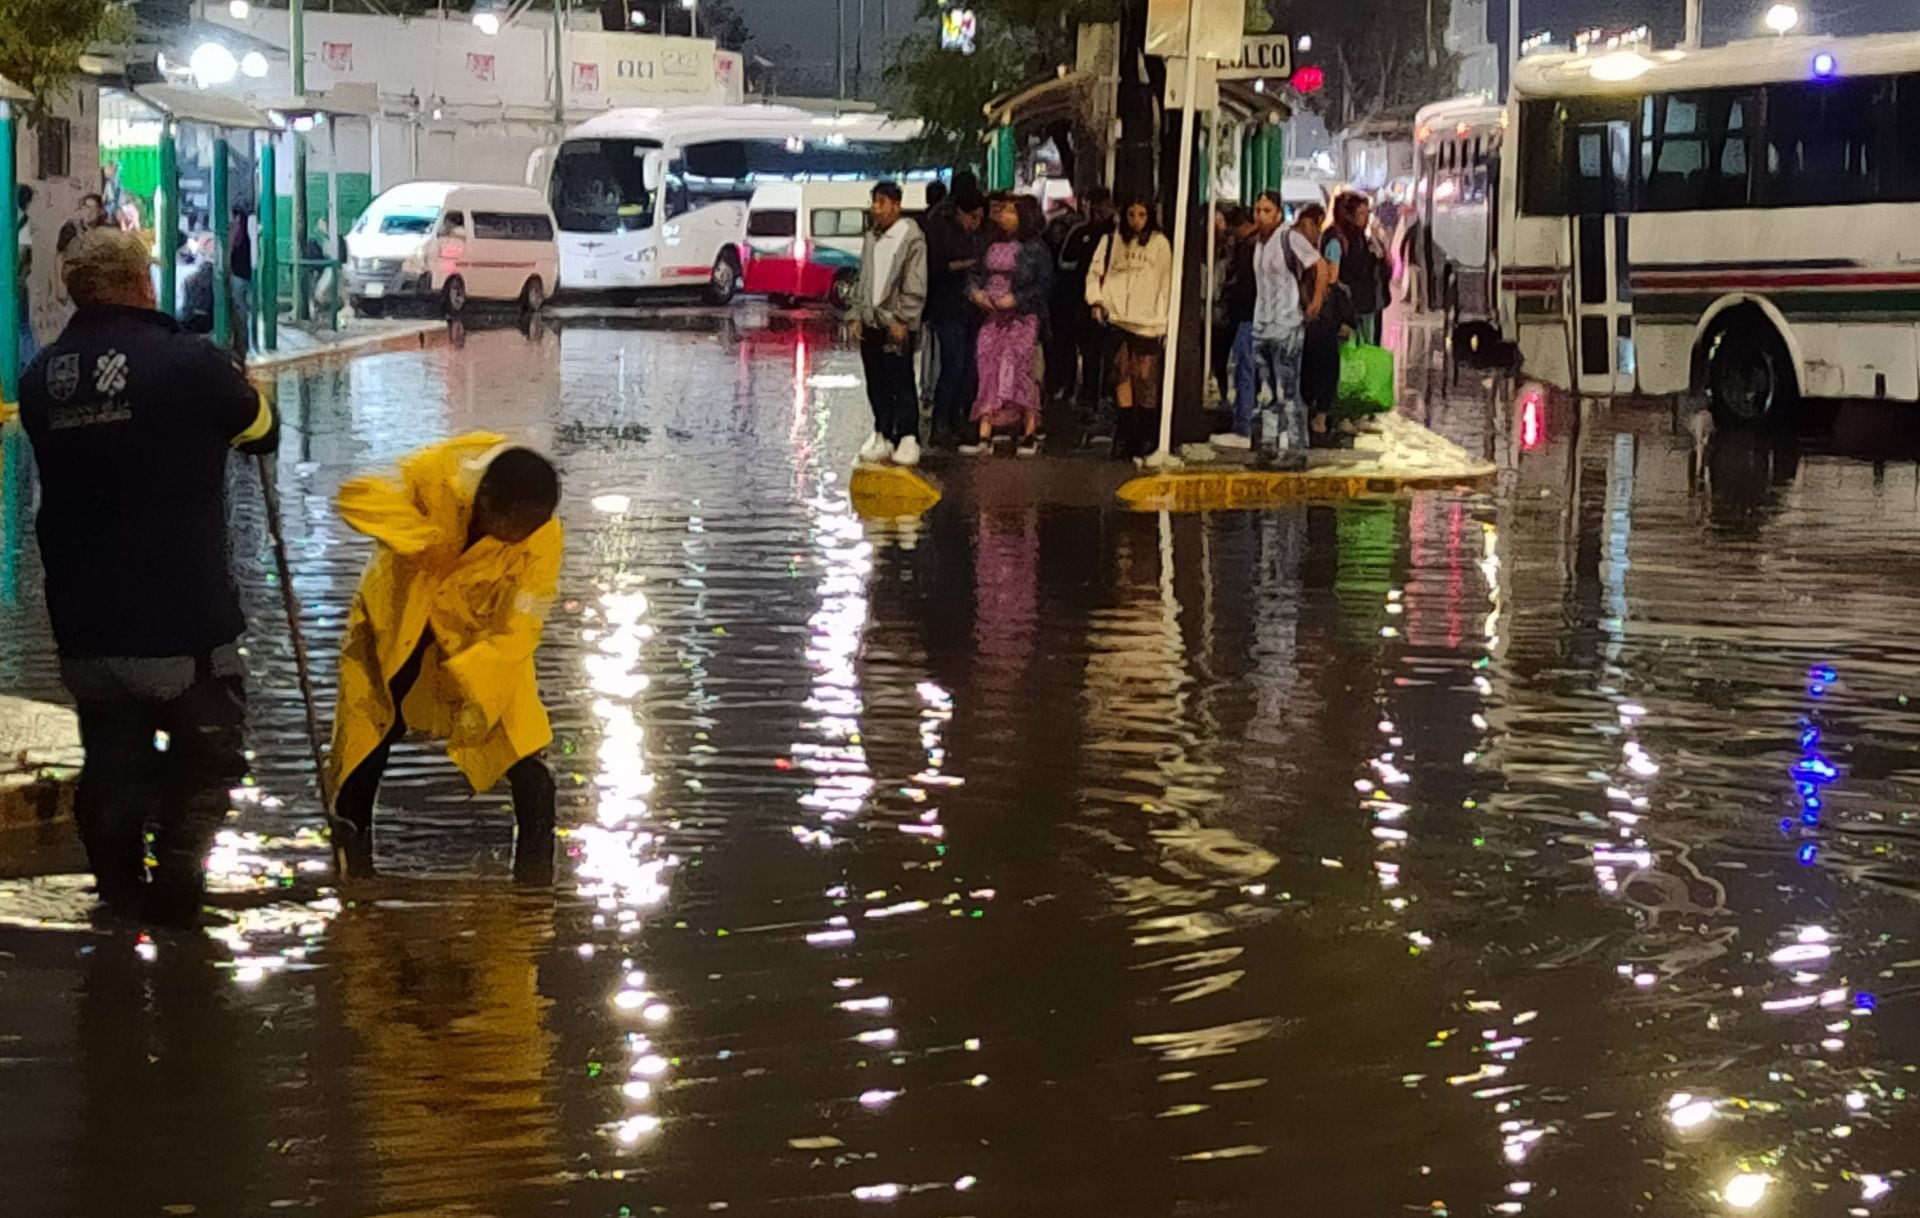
725 283
842 292
533 297
1749 377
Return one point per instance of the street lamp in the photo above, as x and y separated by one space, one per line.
693 17
487 23
1782 18
1305 42
253 64
239 10
212 64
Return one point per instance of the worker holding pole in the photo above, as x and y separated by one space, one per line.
132 421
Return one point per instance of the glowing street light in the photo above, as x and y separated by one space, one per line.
212 64
487 23
1305 42
253 64
239 10
1782 18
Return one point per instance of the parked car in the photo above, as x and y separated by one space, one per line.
804 238
446 243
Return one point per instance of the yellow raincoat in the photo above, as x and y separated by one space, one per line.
485 604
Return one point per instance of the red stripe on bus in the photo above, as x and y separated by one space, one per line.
1684 280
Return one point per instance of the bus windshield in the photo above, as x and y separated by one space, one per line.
599 186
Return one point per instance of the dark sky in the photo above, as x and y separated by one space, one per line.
799 34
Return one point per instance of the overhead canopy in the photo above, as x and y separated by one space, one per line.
12 92
341 103
198 106
1065 95
1060 96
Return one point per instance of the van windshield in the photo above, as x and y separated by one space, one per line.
599 186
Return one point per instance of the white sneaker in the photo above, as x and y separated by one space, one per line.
1229 439
975 448
876 449
907 452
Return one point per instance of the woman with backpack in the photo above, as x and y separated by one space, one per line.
1361 264
1320 357
1127 288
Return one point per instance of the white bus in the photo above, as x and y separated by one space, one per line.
657 197
1741 222
1446 246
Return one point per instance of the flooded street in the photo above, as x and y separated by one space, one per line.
1550 849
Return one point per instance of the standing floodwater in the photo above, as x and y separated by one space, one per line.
1548 850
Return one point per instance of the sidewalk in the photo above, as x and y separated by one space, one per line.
301 348
1403 456
39 762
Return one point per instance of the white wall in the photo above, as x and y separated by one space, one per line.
56 199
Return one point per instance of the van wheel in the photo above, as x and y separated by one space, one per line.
725 283
1749 378
366 307
455 295
533 297
841 295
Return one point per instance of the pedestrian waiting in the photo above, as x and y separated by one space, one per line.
443 632
954 241
1080 357
132 422
1233 347
888 300
1127 287
1290 291
1010 289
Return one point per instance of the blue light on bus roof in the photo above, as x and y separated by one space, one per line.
1824 66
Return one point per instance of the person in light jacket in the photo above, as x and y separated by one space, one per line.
888 301
1127 287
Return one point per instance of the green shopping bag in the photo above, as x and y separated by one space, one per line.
1366 378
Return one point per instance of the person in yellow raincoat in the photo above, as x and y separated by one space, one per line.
443 631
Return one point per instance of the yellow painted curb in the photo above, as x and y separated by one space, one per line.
413 338
887 492
1213 490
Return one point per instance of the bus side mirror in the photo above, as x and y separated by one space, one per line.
650 171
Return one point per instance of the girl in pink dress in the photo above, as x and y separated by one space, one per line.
1010 287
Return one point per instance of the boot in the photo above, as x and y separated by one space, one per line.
534 817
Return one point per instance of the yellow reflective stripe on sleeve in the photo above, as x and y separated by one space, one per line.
261 425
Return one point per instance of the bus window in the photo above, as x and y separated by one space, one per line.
1543 162
1821 143
599 186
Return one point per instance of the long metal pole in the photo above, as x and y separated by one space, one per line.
1213 236
297 19
266 264
860 48
1692 40
559 63
222 226
693 19
168 221
840 45
10 319
1164 456
1513 41
290 601
332 252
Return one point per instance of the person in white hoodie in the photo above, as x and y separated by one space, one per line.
1127 286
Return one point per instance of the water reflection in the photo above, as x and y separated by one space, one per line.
1545 850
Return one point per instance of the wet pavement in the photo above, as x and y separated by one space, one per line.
1546 849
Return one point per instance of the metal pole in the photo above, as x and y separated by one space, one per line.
297 18
1692 40
1513 41
266 265
332 252
840 45
1213 236
168 221
860 48
1164 455
693 19
222 226
559 63
10 319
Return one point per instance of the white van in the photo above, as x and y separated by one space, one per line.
445 243
804 238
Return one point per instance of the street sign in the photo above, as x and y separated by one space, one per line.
1261 55
1217 26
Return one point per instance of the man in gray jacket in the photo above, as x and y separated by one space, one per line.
886 319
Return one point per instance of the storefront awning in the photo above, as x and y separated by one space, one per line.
1061 96
198 106
12 92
